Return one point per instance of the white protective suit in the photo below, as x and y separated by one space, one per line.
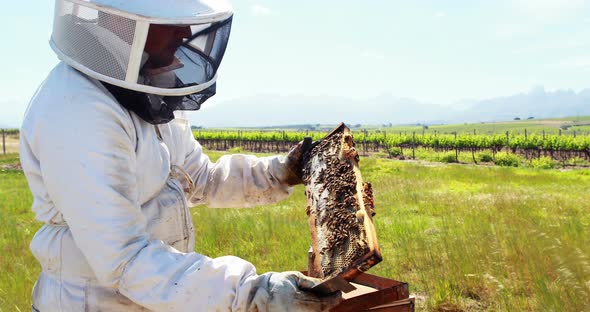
118 234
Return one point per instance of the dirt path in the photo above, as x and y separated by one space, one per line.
11 145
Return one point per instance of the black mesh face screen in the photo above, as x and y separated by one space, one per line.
201 54
210 42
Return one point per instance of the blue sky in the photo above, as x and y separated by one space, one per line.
434 51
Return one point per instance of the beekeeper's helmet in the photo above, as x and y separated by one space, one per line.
106 40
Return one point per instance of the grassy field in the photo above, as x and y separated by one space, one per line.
18 268
466 238
580 125
486 158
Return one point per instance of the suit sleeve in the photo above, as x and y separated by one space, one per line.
234 180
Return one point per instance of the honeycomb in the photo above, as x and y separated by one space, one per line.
340 208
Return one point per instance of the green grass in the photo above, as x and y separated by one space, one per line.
18 268
490 238
484 157
466 238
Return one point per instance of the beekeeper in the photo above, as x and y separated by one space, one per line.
113 166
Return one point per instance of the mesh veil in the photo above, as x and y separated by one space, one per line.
101 45
111 48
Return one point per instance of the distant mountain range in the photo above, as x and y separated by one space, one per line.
273 110
276 110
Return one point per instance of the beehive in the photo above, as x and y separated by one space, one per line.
340 209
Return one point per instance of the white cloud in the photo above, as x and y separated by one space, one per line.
260 10
551 4
556 45
372 54
440 15
575 63
525 18
552 9
512 30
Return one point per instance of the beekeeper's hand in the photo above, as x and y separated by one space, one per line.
288 291
294 162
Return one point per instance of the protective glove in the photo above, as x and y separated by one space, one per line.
286 292
294 162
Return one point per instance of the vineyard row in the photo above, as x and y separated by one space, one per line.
281 140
